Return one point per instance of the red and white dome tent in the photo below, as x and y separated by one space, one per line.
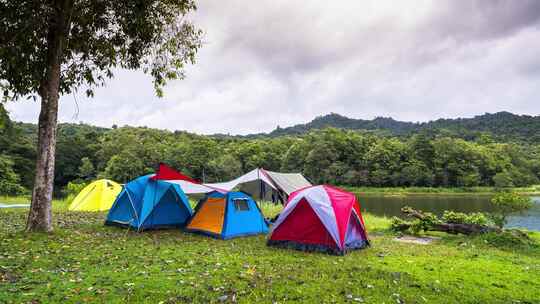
320 218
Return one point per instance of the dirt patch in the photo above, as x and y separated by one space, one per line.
426 240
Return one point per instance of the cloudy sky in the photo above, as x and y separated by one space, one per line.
269 63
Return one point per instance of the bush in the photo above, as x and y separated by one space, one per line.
426 221
7 188
511 238
476 218
425 224
506 203
398 224
9 180
415 226
503 180
72 189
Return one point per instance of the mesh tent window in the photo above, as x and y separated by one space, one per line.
241 205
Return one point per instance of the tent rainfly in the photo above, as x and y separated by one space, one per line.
188 184
259 183
265 184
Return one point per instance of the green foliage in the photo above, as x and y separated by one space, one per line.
72 189
398 224
483 129
332 156
503 180
506 203
76 149
414 226
98 36
9 180
17 146
86 170
429 220
476 218
225 167
125 167
512 239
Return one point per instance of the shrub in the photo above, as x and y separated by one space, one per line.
398 224
415 226
426 223
9 180
72 189
506 203
511 238
476 218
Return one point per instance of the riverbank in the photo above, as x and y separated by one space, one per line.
401 191
59 204
372 191
84 261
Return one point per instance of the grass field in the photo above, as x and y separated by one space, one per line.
84 261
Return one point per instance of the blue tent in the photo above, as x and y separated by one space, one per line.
148 204
228 215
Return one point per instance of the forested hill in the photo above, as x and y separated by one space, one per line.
338 121
502 125
454 153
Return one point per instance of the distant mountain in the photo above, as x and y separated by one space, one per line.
338 121
501 125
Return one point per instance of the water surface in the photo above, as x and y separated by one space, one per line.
2 205
391 206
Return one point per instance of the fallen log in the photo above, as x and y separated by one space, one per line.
432 223
464 228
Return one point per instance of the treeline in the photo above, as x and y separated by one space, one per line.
503 126
17 157
356 158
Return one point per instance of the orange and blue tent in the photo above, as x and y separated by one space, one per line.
227 215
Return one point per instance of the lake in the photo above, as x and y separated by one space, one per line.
391 206
2 205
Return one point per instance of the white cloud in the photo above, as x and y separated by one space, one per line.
270 63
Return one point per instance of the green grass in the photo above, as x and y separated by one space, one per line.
532 190
14 199
59 204
84 261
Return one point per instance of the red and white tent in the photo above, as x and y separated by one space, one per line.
321 218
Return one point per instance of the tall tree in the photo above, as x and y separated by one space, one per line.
53 47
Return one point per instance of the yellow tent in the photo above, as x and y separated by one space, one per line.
98 196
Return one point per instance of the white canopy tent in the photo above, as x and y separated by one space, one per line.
192 188
267 185
253 175
288 182
258 182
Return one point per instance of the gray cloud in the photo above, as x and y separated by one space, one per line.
269 63
484 19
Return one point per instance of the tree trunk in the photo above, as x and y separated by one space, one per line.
40 215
